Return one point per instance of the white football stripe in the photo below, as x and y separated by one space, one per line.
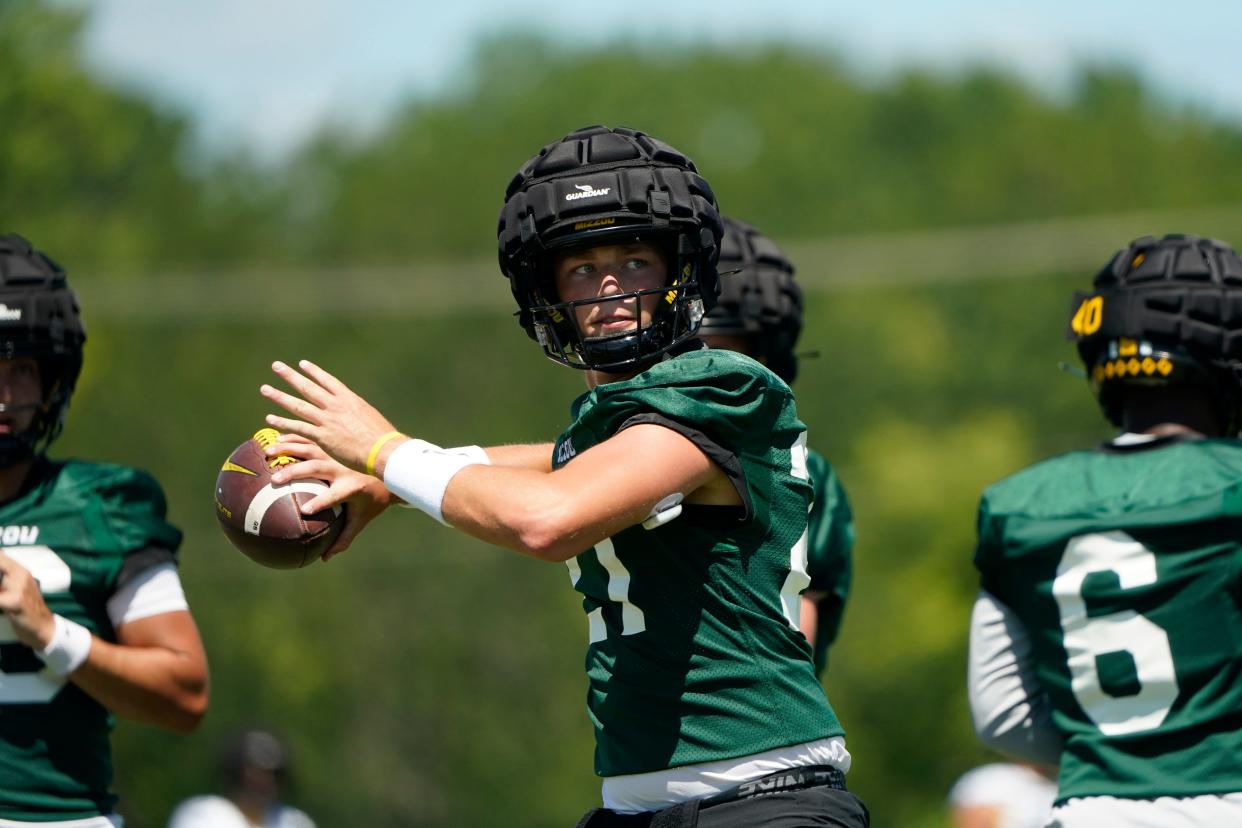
269 494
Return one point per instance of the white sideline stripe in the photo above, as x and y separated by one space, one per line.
270 493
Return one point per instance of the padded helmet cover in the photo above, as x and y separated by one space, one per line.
759 298
600 186
39 318
1163 311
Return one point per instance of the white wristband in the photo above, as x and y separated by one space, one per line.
419 472
69 647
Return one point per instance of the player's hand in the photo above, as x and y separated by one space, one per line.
328 413
23 604
363 495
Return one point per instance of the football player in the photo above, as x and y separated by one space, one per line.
94 618
759 313
677 497
1106 636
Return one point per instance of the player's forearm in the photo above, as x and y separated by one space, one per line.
533 456
526 511
154 685
808 620
555 515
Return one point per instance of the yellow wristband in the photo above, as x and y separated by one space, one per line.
375 449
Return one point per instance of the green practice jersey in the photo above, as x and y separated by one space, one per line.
1125 567
694 652
829 560
81 529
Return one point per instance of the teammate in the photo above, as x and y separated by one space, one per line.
94 619
1106 636
254 772
759 313
677 497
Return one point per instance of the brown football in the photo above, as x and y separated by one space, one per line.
264 520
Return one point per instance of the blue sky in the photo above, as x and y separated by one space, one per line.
265 73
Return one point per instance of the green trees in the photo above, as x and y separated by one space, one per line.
790 139
424 678
100 175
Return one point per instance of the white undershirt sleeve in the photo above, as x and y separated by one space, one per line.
1010 709
153 591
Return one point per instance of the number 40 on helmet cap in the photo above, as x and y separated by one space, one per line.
1164 312
601 186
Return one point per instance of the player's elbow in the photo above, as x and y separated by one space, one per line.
996 718
186 700
550 533
187 713
990 729
1018 731
549 545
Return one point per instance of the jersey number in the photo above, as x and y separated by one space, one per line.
1088 638
632 618
797 580
36 686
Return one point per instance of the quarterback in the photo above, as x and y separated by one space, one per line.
94 619
1106 637
759 313
677 497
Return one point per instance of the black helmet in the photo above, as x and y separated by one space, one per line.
39 319
759 298
1164 312
599 186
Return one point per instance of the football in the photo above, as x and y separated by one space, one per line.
264 520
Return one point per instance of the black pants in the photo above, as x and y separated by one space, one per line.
805 808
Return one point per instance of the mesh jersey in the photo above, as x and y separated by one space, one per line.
829 560
1125 566
81 529
694 652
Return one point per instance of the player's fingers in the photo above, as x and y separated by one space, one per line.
356 519
306 470
284 424
13 578
293 438
340 489
294 405
342 542
11 571
319 375
322 502
307 387
302 449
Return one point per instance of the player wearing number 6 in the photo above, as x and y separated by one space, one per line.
94 621
1106 639
677 497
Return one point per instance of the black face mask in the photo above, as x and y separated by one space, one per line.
564 342
43 429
